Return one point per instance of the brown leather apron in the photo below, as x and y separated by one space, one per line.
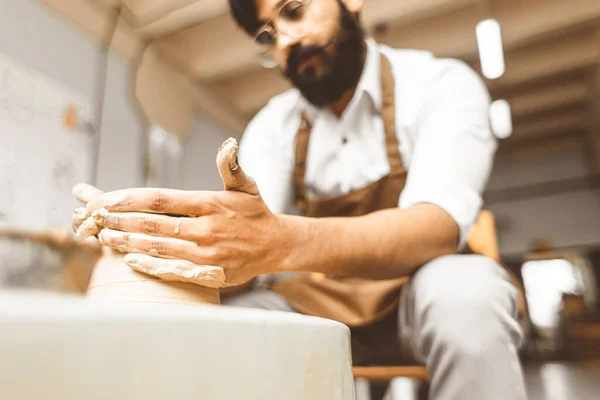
356 302
352 301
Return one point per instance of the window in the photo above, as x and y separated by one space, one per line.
545 282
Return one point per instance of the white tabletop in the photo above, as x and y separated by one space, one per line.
57 347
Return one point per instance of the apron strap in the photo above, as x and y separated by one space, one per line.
388 114
302 139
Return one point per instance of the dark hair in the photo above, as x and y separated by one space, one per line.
245 14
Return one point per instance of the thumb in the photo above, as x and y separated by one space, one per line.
234 178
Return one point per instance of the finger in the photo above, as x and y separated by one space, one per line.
232 174
88 228
151 224
80 215
177 270
158 201
155 246
92 241
85 193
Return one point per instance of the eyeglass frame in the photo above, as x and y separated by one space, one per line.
274 30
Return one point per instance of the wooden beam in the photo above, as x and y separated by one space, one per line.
152 17
208 102
553 143
522 22
94 19
573 120
557 57
217 49
566 78
554 57
144 12
94 16
593 136
545 134
156 18
248 93
195 12
542 189
398 13
549 97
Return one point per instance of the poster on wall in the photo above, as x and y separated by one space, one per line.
47 139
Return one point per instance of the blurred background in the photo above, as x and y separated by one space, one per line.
149 89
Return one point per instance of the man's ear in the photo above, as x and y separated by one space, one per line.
354 6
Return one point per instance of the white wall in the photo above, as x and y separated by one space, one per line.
568 220
199 163
124 140
32 34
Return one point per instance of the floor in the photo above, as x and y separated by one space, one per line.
548 381
559 381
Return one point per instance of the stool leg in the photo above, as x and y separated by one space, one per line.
402 388
362 389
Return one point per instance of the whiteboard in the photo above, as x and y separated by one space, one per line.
46 144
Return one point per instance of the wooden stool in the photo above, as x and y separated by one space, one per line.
405 381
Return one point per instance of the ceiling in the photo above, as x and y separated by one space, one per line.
552 51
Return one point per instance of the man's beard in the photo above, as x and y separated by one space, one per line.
342 69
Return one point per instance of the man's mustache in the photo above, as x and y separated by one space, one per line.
299 54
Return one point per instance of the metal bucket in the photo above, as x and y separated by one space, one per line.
45 261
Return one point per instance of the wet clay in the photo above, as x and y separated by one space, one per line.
142 278
113 280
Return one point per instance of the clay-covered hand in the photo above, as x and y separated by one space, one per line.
184 235
84 225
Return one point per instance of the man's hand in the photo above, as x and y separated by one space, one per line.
183 235
83 224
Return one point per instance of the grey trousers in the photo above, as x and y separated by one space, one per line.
457 316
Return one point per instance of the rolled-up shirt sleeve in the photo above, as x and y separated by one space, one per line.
454 150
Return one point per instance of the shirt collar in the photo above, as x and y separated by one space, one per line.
369 82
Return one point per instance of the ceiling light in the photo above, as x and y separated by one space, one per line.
501 119
491 52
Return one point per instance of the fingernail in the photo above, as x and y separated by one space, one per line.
234 165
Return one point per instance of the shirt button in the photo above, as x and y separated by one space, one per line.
344 140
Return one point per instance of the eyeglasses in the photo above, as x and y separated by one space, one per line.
292 19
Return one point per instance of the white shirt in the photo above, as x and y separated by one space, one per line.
442 125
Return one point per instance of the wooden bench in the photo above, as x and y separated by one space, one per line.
406 380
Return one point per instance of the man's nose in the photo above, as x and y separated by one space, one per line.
285 42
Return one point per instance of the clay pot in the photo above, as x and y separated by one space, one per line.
112 280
